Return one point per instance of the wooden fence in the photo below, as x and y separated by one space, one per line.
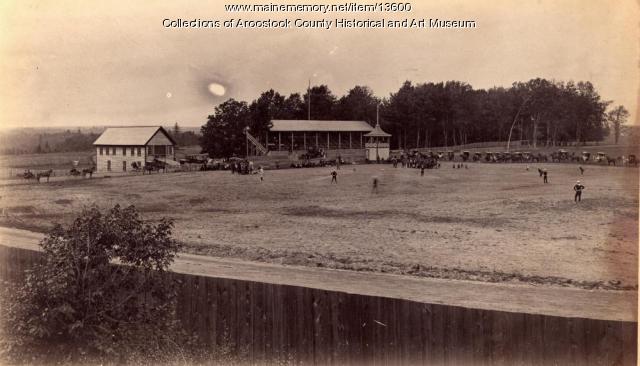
268 323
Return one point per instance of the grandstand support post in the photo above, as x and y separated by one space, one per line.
327 140
291 141
304 140
361 142
339 140
349 140
279 140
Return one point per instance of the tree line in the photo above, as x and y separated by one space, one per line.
544 112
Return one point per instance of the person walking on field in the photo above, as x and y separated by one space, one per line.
540 171
334 177
578 188
422 171
581 170
261 173
374 188
544 176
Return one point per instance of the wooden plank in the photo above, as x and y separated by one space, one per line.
223 324
411 331
322 328
478 336
364 306
212 313
534 330
577 342
267 320
338 320
258 320
629 343
304 327
292 319
427 332
440 346
244 323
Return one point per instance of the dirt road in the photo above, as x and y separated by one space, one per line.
566 302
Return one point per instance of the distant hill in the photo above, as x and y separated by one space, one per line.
35 140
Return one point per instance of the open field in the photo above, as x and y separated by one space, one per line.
491 222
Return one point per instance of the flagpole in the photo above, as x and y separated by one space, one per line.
309 101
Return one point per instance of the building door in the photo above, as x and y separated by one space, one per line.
124 166
109 165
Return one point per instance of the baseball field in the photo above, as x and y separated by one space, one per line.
487 222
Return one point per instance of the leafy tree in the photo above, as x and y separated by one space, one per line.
323 102
617 117
78 302
359 104
222 135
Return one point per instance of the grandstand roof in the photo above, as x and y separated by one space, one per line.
297 125
130 135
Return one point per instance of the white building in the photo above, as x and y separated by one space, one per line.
119 147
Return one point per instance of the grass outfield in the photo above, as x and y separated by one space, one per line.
491 222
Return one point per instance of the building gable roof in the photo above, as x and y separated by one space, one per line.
377 132
296 125
130 135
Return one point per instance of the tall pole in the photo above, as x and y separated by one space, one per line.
309 101
515 119
377 124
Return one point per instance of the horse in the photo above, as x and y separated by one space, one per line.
153 166
611 161
89 171
74 172
148 168
44 174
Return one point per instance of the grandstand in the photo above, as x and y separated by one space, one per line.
287 140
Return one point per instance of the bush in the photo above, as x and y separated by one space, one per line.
79 304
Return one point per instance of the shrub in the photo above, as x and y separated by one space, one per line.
77 302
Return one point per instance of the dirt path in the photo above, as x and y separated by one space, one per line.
566 302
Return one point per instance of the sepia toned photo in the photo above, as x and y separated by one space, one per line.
311 182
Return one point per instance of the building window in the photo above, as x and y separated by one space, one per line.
124 151
100 150
124 166
139 151
108 164
114 150
107 150
149 150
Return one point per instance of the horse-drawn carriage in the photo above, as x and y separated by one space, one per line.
465 155
194 159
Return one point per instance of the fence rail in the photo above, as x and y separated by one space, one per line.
268 322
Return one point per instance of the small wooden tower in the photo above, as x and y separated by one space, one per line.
377 144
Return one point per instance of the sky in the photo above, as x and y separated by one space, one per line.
89 63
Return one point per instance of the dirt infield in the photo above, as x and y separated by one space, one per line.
494 223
